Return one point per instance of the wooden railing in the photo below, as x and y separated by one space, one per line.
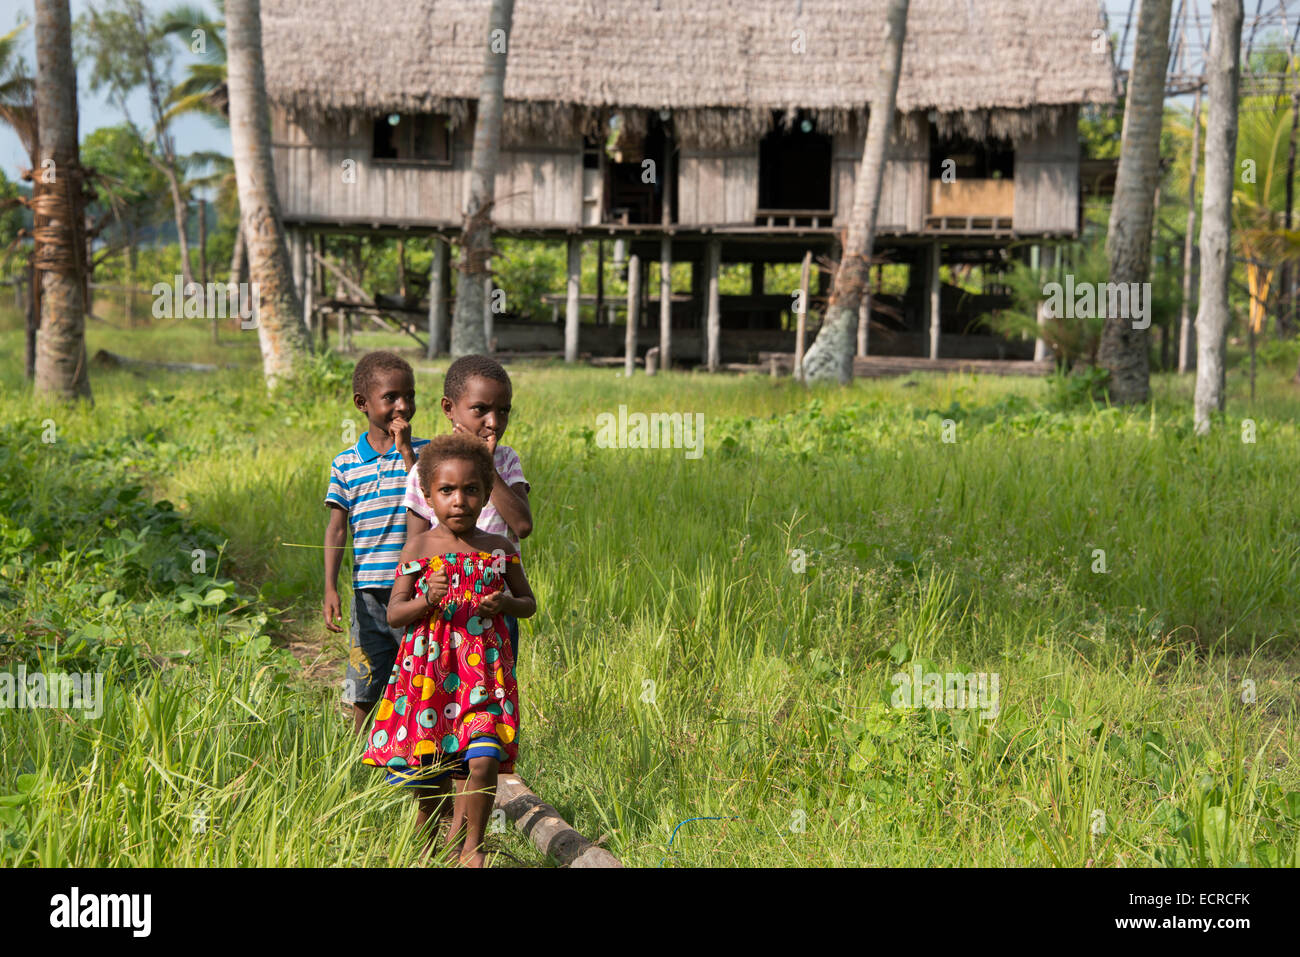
794 218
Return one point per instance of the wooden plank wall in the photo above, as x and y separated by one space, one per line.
1047 179
717 187
904 193
537 184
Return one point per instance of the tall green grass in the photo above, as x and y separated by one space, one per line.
716 637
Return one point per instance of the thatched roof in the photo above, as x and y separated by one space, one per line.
720 66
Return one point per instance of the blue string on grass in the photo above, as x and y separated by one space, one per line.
688 821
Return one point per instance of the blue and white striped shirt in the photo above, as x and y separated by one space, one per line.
369 487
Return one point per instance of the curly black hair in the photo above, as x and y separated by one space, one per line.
468 367
455 445
369 365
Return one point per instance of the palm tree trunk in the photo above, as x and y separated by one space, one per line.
467 334
179 214
237 256
1124 348
280 330
831 356
57 208
1216 208
1185 318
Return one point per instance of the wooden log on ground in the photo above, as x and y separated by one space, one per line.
112 360
877 366
544 826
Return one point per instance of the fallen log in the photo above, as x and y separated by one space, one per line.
112 360
868 367
549 832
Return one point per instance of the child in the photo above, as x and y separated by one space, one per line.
365 493
452 706
476 395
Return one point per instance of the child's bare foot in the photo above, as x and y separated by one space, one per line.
474 859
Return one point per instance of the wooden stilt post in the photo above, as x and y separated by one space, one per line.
715 309
801 316
1040 344
645 297
1185 328
571 305
864 323
666 258
633 315
296 255
600 280
665 302
308 283
935 259
438 282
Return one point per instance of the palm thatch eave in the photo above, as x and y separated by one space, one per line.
722 69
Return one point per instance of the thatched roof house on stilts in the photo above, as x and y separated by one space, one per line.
750 113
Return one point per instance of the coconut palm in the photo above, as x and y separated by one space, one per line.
831 355
18 93
58 207
467 332
1124 350
203 89
1216 208
281 332
1259 199
18 112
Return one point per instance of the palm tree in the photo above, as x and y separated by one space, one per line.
1216 208
18 93
467 333
18 112
1124 351
203 90
831 355
283 337
128 51
58 205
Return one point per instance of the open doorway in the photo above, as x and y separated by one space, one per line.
794 168
635 173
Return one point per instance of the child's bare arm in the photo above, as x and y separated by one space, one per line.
416 524
336 537
511 503
405 604
520 602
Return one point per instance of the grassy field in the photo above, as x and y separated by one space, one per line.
716 637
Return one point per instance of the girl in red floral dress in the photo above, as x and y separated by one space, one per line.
451 709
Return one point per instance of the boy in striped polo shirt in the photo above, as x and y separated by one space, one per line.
367 482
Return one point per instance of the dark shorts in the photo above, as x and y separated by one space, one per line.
374 647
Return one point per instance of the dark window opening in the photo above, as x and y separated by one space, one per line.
634 176
591 148
794 168
412 138
971 159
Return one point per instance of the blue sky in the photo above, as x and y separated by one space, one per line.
196 133
191 133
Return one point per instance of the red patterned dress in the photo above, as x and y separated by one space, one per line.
454 677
